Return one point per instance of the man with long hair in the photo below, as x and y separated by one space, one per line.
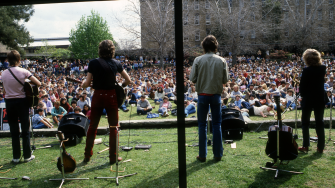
104 97
313 97
209 72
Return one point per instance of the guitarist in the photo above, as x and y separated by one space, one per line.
104 97
313 97
16 106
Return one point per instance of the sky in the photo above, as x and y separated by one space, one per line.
57 20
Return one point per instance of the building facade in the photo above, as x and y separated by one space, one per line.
244 26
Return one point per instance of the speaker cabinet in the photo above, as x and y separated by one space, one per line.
74 124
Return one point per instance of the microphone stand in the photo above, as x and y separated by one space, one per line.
117 161
63 173
296 109
331 117
277 163
33 147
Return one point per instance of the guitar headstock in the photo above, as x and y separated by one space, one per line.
60 136
73 80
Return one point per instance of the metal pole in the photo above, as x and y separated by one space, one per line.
178 11
296 108
331 117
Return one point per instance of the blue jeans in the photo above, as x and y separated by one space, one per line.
328 104
144 112
162 110
190 109
159 100
40 125
190 98
203 105
170 95
293 106
123 107
283 95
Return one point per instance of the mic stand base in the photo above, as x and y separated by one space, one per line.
278 170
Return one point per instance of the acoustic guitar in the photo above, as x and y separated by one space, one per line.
30 90
285 147
31 94
69 162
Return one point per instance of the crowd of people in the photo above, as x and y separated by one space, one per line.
251 86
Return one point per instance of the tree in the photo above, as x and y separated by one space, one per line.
13 33
238 23
61 53
87 35
307 25
157 25
45 50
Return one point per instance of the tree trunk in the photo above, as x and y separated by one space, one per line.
233 53
162 61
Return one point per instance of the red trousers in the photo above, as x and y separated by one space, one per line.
103 99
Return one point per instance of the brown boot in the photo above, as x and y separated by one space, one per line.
303 149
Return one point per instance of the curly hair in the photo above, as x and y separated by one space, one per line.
106 49
312 57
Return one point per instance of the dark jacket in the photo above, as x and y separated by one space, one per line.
312 86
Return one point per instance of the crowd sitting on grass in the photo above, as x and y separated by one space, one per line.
252 85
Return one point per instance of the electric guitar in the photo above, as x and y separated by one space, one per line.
76 81
69 162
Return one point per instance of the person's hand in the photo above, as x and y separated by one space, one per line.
265 116
60 116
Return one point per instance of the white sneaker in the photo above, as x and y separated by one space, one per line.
16 160
32 157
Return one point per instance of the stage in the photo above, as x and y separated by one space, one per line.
158 167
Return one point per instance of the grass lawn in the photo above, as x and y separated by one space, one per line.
159 166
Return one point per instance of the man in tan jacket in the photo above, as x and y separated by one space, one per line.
209 72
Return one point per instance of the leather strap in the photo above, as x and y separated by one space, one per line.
15 77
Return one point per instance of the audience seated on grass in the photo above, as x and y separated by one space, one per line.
189 108
66 105
165 106
58 112
159 95
143 106
260 77
39 121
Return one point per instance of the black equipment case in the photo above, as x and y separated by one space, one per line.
232 125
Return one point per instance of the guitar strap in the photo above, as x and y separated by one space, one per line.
15 77
106 66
